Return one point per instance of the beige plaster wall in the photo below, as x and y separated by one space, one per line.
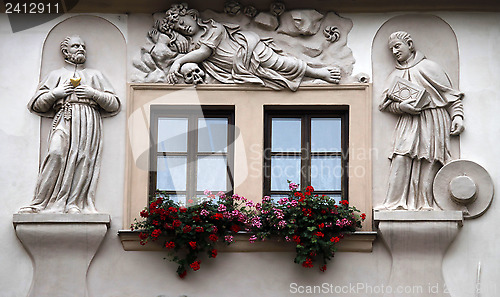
117 273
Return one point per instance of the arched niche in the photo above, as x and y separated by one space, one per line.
437 41
106 51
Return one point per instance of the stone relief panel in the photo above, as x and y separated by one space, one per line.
418 95
277 49
74 94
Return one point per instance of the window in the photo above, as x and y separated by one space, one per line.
192 150
306 146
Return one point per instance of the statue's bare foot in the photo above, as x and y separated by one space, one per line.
28 209
330 74
73 210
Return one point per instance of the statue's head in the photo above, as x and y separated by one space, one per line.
73 49
401 45
181 19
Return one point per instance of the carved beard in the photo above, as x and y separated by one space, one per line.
77 58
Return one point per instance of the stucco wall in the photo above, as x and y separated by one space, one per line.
115 272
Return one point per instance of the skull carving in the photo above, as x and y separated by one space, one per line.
192 74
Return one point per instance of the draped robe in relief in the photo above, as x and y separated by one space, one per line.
68 175
243 57
424 138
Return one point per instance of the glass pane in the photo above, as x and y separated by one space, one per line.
277 197
172 134
212 135
283 169
326 173
336 197
181 199
285 135
326 135
171 173
212 173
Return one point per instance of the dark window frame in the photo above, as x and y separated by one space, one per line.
305 113
192 113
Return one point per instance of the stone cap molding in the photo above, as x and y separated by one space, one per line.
57 218
359 241
419 216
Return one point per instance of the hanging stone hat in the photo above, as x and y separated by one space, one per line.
463 185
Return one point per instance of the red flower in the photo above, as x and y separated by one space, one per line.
319 234
321 226
172 209
168 226
182 209
296 239
156 233
170 245
186 229
190 201
312 254
192 244
155 222
218 216
214 253
143 236
183 274
144 214
235 228
323 268
308 193
198 229
176 223
344 202
195 265
334 239
309 189
307 212
213 237
302 199
307 263
363 216
196 219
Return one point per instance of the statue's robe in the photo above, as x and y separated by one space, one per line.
423 138
243 57
69 173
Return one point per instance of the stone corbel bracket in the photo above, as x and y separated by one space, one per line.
417 241
61 247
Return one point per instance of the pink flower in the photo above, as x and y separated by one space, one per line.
293 186
207 192
229 238
221 208
252 239
204 212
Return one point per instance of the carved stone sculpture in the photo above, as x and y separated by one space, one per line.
421 144
76 98
225 52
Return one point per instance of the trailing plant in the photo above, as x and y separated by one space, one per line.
315 223
190 232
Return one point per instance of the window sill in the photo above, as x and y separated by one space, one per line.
360 241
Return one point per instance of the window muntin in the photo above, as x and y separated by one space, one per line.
307 147
193 150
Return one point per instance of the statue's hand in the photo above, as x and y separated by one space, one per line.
182 44
457 125
84 91
62 90
406 107
174 74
